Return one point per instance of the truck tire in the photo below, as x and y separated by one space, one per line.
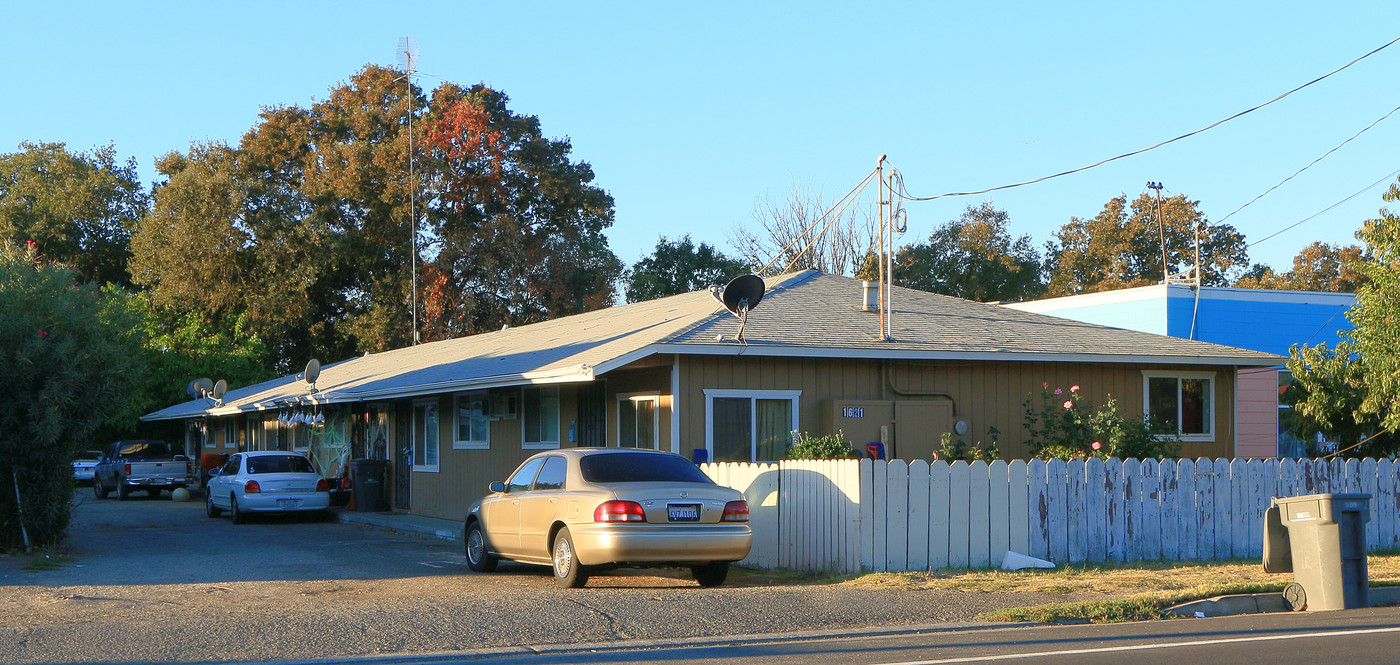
122 490
98 489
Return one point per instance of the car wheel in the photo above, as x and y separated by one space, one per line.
209 508
233 512
568 573
122 490
478 558
711 574
98 489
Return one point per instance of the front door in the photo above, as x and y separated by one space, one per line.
403 456
592 415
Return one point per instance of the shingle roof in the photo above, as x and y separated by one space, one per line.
803 314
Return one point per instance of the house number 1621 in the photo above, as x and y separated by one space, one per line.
852 412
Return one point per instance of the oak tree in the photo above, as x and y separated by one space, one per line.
972 257
679 266
1121 247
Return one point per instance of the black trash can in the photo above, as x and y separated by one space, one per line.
367 484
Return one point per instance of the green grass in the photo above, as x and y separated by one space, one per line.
45 563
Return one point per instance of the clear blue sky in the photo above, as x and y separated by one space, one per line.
691 113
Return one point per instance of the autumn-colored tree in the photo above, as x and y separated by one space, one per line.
1121 247
679 266
303 230
1318 267
519 226
972 257
78 208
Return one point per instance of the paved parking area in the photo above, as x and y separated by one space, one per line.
155 580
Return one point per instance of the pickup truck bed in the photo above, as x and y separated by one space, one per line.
144 465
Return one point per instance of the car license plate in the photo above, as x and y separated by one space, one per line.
288 504
683 512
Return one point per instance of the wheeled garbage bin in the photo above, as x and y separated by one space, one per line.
1321 539
367 484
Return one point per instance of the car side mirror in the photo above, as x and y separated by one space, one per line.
498 486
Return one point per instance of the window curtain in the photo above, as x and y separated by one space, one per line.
730 426
774 419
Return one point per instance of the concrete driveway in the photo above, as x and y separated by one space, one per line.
155 580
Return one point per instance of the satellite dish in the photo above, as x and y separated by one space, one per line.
200 387
743 294
313 372
740 296
220 387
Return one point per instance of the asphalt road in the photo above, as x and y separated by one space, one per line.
151 580
1359 637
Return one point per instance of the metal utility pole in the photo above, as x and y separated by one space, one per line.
408 59
1161 228
884 271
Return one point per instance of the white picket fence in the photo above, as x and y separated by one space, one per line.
863 515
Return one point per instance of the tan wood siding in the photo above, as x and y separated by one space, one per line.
986 394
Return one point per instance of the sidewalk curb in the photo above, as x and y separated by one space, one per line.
426 526
1258 603
668 643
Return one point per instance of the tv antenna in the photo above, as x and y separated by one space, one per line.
740 296
407 57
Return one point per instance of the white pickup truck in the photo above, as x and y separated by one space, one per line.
141 465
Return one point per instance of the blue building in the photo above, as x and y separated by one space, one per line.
1255 319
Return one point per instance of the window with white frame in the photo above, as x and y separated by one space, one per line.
425 435
1181 400
749 425
230 433
637 421
254 433
539 417
473 421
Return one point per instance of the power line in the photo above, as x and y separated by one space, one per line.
906 196
1309 218
1310 165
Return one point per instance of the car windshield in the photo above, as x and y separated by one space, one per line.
87 456
279 464
640 468
144 450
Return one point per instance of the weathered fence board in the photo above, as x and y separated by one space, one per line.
1076 513
1096 510
998 517
1018 508
939 506
1169 530
919 520
897 510
978 534
959 514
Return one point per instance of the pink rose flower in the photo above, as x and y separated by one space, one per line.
1068 404
1096 445
1074 388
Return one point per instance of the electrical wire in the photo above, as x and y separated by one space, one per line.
1310 165
1309 218
906 196
834 218
854 191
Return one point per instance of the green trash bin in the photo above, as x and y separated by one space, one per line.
1321 539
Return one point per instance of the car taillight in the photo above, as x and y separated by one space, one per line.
736 511
252 487
128 470
323 485
619 511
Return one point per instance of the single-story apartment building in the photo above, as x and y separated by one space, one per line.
1258 319
451 416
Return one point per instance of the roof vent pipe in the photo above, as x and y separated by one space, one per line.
870 296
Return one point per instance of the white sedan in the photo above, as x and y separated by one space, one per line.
266 481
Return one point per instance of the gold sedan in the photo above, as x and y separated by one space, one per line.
583 510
